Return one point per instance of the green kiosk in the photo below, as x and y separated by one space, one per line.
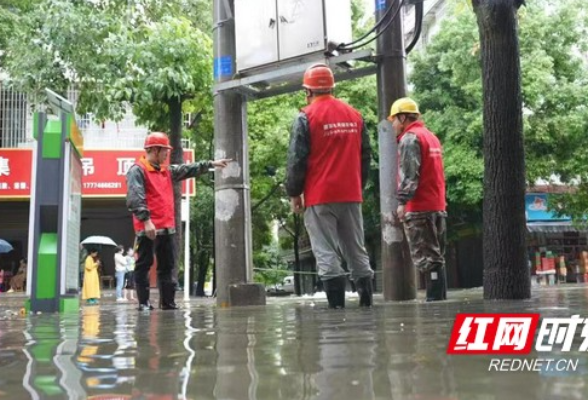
55 210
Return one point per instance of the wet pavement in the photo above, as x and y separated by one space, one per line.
293 348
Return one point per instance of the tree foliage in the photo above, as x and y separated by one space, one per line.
270 267
447 83
269 123
146 53
11 12
142 53
202 222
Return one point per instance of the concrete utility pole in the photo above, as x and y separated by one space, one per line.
398 271
233 249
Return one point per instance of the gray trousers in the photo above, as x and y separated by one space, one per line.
336 230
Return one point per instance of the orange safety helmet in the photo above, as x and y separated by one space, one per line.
318 77
157 139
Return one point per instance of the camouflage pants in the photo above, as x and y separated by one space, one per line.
425 233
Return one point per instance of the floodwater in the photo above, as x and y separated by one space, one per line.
293 348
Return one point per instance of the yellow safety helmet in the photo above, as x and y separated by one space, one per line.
404 105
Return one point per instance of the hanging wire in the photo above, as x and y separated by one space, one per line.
373 29
384 29
418 26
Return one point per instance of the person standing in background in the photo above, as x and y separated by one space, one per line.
83 256
120 270
18 281
130 276
91 286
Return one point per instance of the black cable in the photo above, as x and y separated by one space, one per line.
376 26
384 29
418 26
267 196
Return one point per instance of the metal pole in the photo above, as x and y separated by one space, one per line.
187 248
397 269
232 243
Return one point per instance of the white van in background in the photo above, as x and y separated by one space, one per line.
283 288
288 284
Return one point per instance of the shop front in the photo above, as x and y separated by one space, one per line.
104 210
556 247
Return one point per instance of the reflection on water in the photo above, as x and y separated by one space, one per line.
140 356
50 344
291 349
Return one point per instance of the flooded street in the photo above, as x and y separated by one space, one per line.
293 348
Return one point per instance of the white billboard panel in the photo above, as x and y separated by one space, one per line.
256 33
268 31
302 27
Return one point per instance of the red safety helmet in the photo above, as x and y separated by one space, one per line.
157 139
318 77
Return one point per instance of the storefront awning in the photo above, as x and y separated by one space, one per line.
552 227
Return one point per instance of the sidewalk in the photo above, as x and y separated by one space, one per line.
293 348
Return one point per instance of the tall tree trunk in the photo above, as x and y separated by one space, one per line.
506 275
177 157
193 270
297 267
203 263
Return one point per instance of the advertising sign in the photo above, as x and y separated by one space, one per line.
15 173
103 172
536 208
71 220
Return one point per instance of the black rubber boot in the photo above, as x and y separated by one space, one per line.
167 295
435 281
335 289
145 306
365 289
143 298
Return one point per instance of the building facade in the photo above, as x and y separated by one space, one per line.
110 148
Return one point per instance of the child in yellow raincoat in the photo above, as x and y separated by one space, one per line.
91 286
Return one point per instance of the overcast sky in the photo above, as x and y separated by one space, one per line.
369 6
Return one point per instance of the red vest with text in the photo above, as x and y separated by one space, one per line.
333 173
159 196
430 193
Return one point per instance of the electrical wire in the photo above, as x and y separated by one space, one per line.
418 26
373 29
384 29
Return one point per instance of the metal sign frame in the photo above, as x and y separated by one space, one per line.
286 77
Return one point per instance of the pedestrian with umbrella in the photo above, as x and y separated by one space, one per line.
5 247
91 286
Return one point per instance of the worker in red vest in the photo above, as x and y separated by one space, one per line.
328 165
421 194
150 198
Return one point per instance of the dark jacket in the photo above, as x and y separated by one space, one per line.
299 150
136 200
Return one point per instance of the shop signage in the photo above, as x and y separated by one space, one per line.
536 208
103 172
